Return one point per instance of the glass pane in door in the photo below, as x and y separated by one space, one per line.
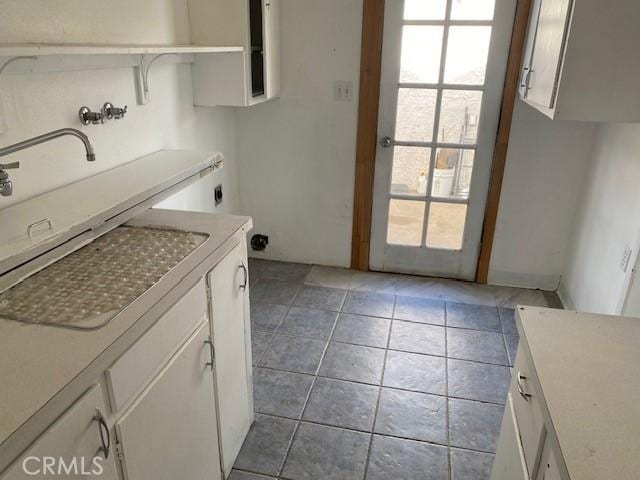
459 116
420 58
410 170
452 173
446 225
406 218
415 116
472 9
467 52
424 9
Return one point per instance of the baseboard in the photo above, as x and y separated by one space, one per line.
565 297
524 280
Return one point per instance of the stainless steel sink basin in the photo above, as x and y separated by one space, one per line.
89 287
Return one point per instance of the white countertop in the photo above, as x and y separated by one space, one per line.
588 366
42 367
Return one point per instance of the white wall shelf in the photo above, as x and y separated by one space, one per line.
41 58
29 50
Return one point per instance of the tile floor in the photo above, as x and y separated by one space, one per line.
377 376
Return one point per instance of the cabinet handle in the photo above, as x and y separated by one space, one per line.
523 393
245 278
211 352
105 436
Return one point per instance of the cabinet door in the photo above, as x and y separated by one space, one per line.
170 432
73 447
509 462
228 290
551 33
272 47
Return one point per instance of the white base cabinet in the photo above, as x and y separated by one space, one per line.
76 446
228 284
510 463
171 430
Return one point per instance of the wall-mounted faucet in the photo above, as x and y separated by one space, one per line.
6 186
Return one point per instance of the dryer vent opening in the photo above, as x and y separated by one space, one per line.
259 242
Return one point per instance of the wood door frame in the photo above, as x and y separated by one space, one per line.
367 132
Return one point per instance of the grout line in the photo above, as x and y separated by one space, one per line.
446 389
393 349
306 401
377 407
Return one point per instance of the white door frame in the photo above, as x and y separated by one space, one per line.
420 260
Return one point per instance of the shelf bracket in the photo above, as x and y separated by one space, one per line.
3 120
142 77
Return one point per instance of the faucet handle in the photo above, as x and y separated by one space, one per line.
9 166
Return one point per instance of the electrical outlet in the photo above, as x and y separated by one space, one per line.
626 257
343 91
217 195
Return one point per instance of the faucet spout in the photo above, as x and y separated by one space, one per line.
91 156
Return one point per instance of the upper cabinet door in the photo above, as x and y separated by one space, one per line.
272 47
229 287
548 50
170 432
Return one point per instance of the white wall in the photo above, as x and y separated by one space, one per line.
608 221
297 154
36 103
545 169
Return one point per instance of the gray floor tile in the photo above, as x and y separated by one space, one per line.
285 271
474 425
507 319
342 404
320 297
326 453
373 282
332 277
412 371
423 287
361 330
294 354
399 459
478 381
266 445
240 475
512 347
423 310
412 415
257 267
369 303
353 362
512 297
417 338
259 344
467 292
468 465
266 317
280 393
476 345
478 317
267 290
308 322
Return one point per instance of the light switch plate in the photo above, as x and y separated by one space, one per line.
343 90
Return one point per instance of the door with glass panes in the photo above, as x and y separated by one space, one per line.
443 67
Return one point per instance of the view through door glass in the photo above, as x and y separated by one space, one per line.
443 63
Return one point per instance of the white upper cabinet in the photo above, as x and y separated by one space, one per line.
581 60
236 78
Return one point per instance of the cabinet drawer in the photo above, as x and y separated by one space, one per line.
72 444
133 370
509 463
527 400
